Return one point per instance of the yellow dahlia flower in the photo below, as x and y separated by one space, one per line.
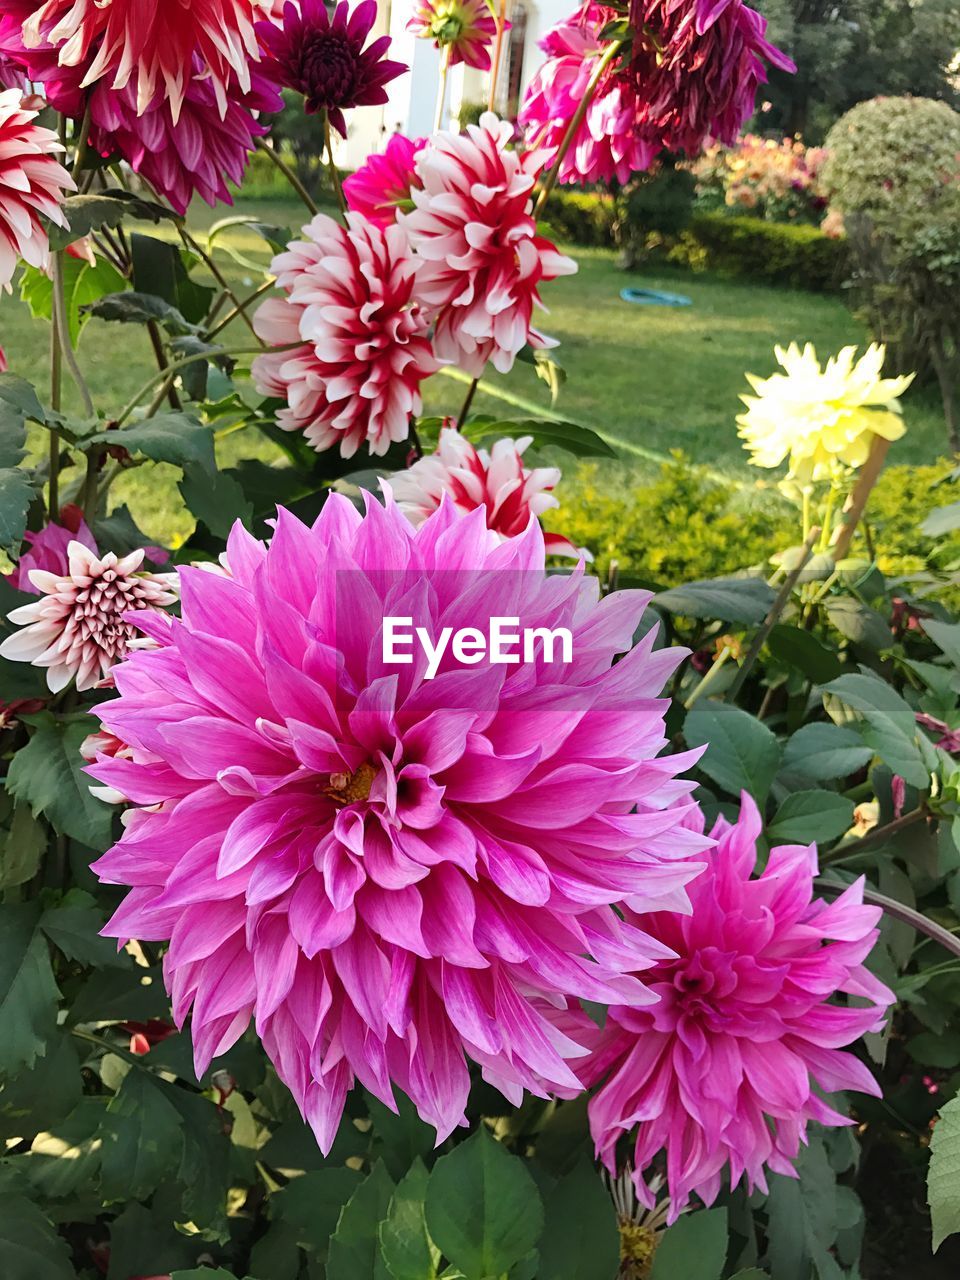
821 419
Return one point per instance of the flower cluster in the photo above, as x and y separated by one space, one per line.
386 872
467 259
724 1071
821 420
779 180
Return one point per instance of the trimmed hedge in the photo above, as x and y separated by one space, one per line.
798 256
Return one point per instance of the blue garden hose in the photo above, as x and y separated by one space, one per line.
655 298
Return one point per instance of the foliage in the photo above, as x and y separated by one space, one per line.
651 205
778 180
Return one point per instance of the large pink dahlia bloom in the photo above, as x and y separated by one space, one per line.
350 301
508 492
388 871
32 186
726 1068
467 28
81 625
152 45
383 182
483 262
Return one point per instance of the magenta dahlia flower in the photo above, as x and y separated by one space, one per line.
152 47
728 1067
47 550
324 58
483 262
350 302
388 871
383 183
466 28
81 624
508 492
32 186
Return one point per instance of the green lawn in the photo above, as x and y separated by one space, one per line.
650 379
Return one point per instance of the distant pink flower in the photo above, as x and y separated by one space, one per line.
80 625
483 261
946 738
32 186
723 1070
466 27
3 361
351 303
383 182
48 549
324 58
498 481
386 871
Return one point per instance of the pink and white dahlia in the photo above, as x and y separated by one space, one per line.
383 182
466 28
81 624
728 1067
350 301
473 227
509 493
152 46
47 550
32 186
389 872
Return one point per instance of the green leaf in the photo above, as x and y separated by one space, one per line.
22 849
581 1240
802 1219
824 751
941 520
742 754
751 1273
82 285
30 1248
141 1137
809 817
74 927
16 494
946 636
178 438
746 600
217 501
483 1208
400 1136
203 1174
131 307
695 1247
580 441
114 994
943 1178
407 1249
28 993
311 1205
886 723
43 1095
88 213
801 649
940 1050
47 774
355 1247
65 1158
203 1273
160 268
18 402
858 622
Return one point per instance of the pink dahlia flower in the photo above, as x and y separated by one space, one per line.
32 186
81 624
497 481
383 183
324 58
47 550
726 1068
483 262
388 871
152 47
466 28
350 302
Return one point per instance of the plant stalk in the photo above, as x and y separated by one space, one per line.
62 324
869 474
501 21
290 176
468 401
442 89
332 165
898 911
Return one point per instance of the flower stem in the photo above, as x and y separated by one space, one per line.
331 163
442 89
869 474
174 368
550 178
898 911
241 307
288 173
501 20
63 328
468 401
195 247
56 385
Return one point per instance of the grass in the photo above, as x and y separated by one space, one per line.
650 379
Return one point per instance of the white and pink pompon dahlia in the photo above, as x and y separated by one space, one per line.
391 872
508 492
483 262
152 44
350 303
32 186
80 626
729 1068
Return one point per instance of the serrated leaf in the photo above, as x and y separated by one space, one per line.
941 520
41 1095
825 751
47 774
581 1240
886 723
581 441
809 817
16 494
695 1247
943 1179
131 307
86 213
801 649
803 1219
65 1157
83 283
483 1209
311 1205
30 1247
746 600
742 754
141 1139
74 927
400 1136
178 438
218 502
355 1245
858 622
408 1251
22 848
28 992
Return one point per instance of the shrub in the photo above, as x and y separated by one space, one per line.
581 217
660 203
798 256
778 180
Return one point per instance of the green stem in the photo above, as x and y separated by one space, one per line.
175 366
331 163
94 458
898 911
290 176
66 347
719 662
83 137
441 89
156 341
468 401
220 278
56 386
878 836
88 1036
242 307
